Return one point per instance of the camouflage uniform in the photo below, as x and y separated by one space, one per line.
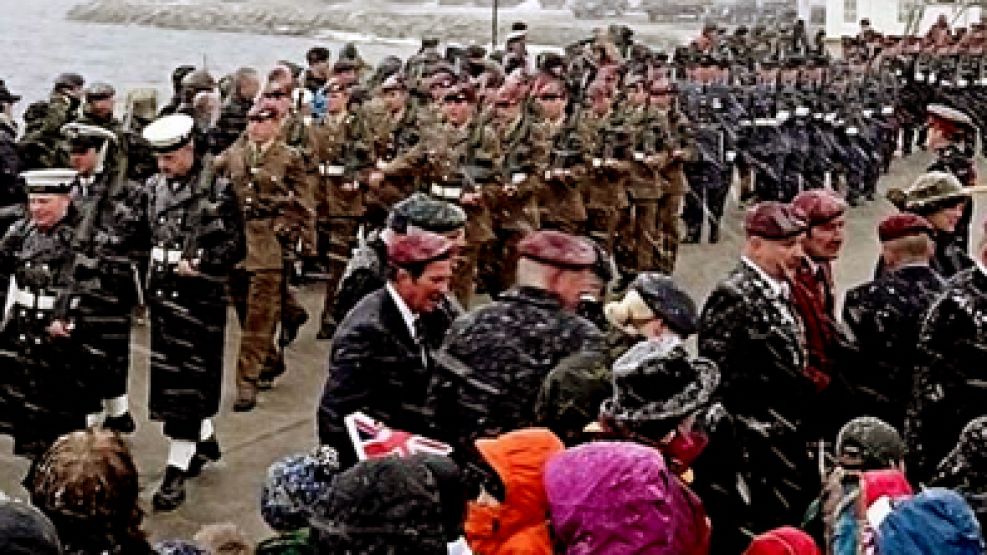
339 198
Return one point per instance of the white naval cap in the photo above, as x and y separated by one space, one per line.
949 114
56 181
79 131
169 133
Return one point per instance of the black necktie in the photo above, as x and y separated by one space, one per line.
419 332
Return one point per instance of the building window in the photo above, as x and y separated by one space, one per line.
850 11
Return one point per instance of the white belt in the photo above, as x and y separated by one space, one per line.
868 113
518 177
331 170
887 110
852 131
30 300
166 256
802 111
982 82
962 83
765 122
446 193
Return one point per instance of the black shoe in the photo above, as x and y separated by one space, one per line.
327 329
869 196
171 494
690 239
268 375
205 452
123 424
714 235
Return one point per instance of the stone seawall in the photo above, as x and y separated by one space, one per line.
373 18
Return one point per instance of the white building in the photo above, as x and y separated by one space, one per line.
892 17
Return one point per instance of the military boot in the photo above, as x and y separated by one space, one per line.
205 452
246 397
714 233
171 494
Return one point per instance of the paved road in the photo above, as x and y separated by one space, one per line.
283 423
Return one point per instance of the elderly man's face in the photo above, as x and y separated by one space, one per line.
176 163
573 285
424 293
824 241
47 209
779 257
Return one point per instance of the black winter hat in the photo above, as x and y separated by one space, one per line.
669 302
655 390
390 506
869 443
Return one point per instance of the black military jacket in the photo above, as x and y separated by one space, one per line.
885 317
950 381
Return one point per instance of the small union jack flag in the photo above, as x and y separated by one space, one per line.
373 439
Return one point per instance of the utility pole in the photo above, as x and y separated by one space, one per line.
493 31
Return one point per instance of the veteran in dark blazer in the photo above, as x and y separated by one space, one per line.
380 362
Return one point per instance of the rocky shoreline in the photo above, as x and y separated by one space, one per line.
311 18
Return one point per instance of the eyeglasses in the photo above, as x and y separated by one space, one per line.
257 119
503 104
549 97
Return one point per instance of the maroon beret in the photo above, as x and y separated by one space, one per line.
818 206
773 220
558 249
418 248
901 225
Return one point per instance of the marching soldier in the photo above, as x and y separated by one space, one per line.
109 239
339 196
515 206
395 128
443 159
560 201
233 117
197 238
671 169
268 179
607 142
44 121
48 388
